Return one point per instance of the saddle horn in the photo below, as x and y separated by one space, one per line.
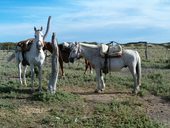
48 26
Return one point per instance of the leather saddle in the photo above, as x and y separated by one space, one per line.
24 46
109 51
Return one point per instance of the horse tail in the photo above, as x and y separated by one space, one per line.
11 57
138 69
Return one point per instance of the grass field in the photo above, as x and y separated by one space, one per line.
75 105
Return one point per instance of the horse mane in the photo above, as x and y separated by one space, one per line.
89 45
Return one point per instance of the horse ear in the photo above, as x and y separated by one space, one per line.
35 29
41 28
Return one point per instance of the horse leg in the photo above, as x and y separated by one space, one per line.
25 70
40 77
32 78
134 74
91 71
61 66
100 81
138 70
86 67
20 72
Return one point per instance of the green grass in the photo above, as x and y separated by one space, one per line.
20 108
157 82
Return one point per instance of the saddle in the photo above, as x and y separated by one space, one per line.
109 51
24 46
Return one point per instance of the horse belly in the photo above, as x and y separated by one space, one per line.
116 65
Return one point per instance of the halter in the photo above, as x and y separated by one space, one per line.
41 42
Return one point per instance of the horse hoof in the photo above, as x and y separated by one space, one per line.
32 91
135 92
98 91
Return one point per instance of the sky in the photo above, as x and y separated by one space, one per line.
87 20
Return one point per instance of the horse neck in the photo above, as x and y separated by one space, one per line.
34 49
88 51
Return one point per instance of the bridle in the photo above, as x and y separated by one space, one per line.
37 42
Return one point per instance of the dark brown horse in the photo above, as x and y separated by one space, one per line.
64 53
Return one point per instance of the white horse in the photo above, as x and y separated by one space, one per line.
129 58
34 57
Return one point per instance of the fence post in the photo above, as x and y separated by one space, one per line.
167 54
146 50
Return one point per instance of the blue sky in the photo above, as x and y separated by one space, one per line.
87 20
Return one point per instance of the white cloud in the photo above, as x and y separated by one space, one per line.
91 16
111 13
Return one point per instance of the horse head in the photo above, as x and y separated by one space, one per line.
75 52
39 38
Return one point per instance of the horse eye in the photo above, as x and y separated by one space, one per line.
35 36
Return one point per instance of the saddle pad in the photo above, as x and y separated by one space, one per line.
103 48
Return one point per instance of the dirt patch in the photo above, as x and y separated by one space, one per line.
30 110
88 94
157 108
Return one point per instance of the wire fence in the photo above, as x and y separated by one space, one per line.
150 52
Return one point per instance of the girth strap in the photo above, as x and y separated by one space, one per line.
105 68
